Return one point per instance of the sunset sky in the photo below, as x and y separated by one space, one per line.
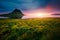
31 7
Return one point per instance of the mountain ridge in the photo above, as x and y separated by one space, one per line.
14 14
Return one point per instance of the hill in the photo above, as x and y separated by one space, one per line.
14 14
30 29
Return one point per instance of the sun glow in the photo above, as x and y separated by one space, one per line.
37 14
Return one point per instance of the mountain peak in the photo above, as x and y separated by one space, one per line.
14 14
16 10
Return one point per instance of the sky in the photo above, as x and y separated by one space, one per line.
28 5
9 5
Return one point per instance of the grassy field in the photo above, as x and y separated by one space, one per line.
30 29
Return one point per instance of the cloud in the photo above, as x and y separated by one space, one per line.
9 5
55 4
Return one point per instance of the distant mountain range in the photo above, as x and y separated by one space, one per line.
15 14
57 14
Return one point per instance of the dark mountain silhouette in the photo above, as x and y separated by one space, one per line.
15 14
57 14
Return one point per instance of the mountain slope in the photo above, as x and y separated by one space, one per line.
15 14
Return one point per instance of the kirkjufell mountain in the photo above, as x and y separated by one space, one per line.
15 14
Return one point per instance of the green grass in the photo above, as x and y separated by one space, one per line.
30 29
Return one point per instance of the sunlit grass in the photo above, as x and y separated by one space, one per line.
30 29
